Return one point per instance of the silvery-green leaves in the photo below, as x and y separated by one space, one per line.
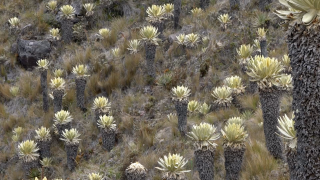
67 11
106 122
234 134
155 13
172 165
14 22
95 176
101 104
287 131
43 134
180 93
235 83
204 135
28 150
305 10
264 70
150 34
58 83
80 70
244 53
134 46
43 64
222 95
62 117
71 136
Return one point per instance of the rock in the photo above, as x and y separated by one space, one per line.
30 51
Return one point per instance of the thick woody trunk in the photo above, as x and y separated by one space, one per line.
80 88
205 164
177 11
263 46
66 30
72 151
28 166
182 111
270 104
63 127
303 45
252 87
136 175
233 161
44 148
160 26
44 88
150 56
108 138
57 100
234 4
291 155
204 4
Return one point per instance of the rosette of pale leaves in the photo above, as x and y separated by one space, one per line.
71 136
180 93
193 106
105 33
172 165
168 8
80 70
204 134
155 13
134 46
102 104
235 120
150 34
95 176
244 53
62 117
43 64
14 22
224 19
51 6
45 178
204 108
287 131
305 10
286 62
235 83
58 73
46 162
89 8
164 79
264 70
43 134
136 168
234 135
17 133
262 33
222 95
106 122
192 40
197 12
57 83
172 117
67 11
256 44
284 82
14 91
28 150
116 52
181 39
55 33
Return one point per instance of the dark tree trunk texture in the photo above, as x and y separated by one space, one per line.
263 46
72 152
233 161
234 4
303 45
161 26
252 87
150 56
28 166
80 88
236 102
66 30
205 164
182 110
44 148
63 127
291 155
177 11
263 4
204 4
136 175
108 138
57 100
44 89
270 104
